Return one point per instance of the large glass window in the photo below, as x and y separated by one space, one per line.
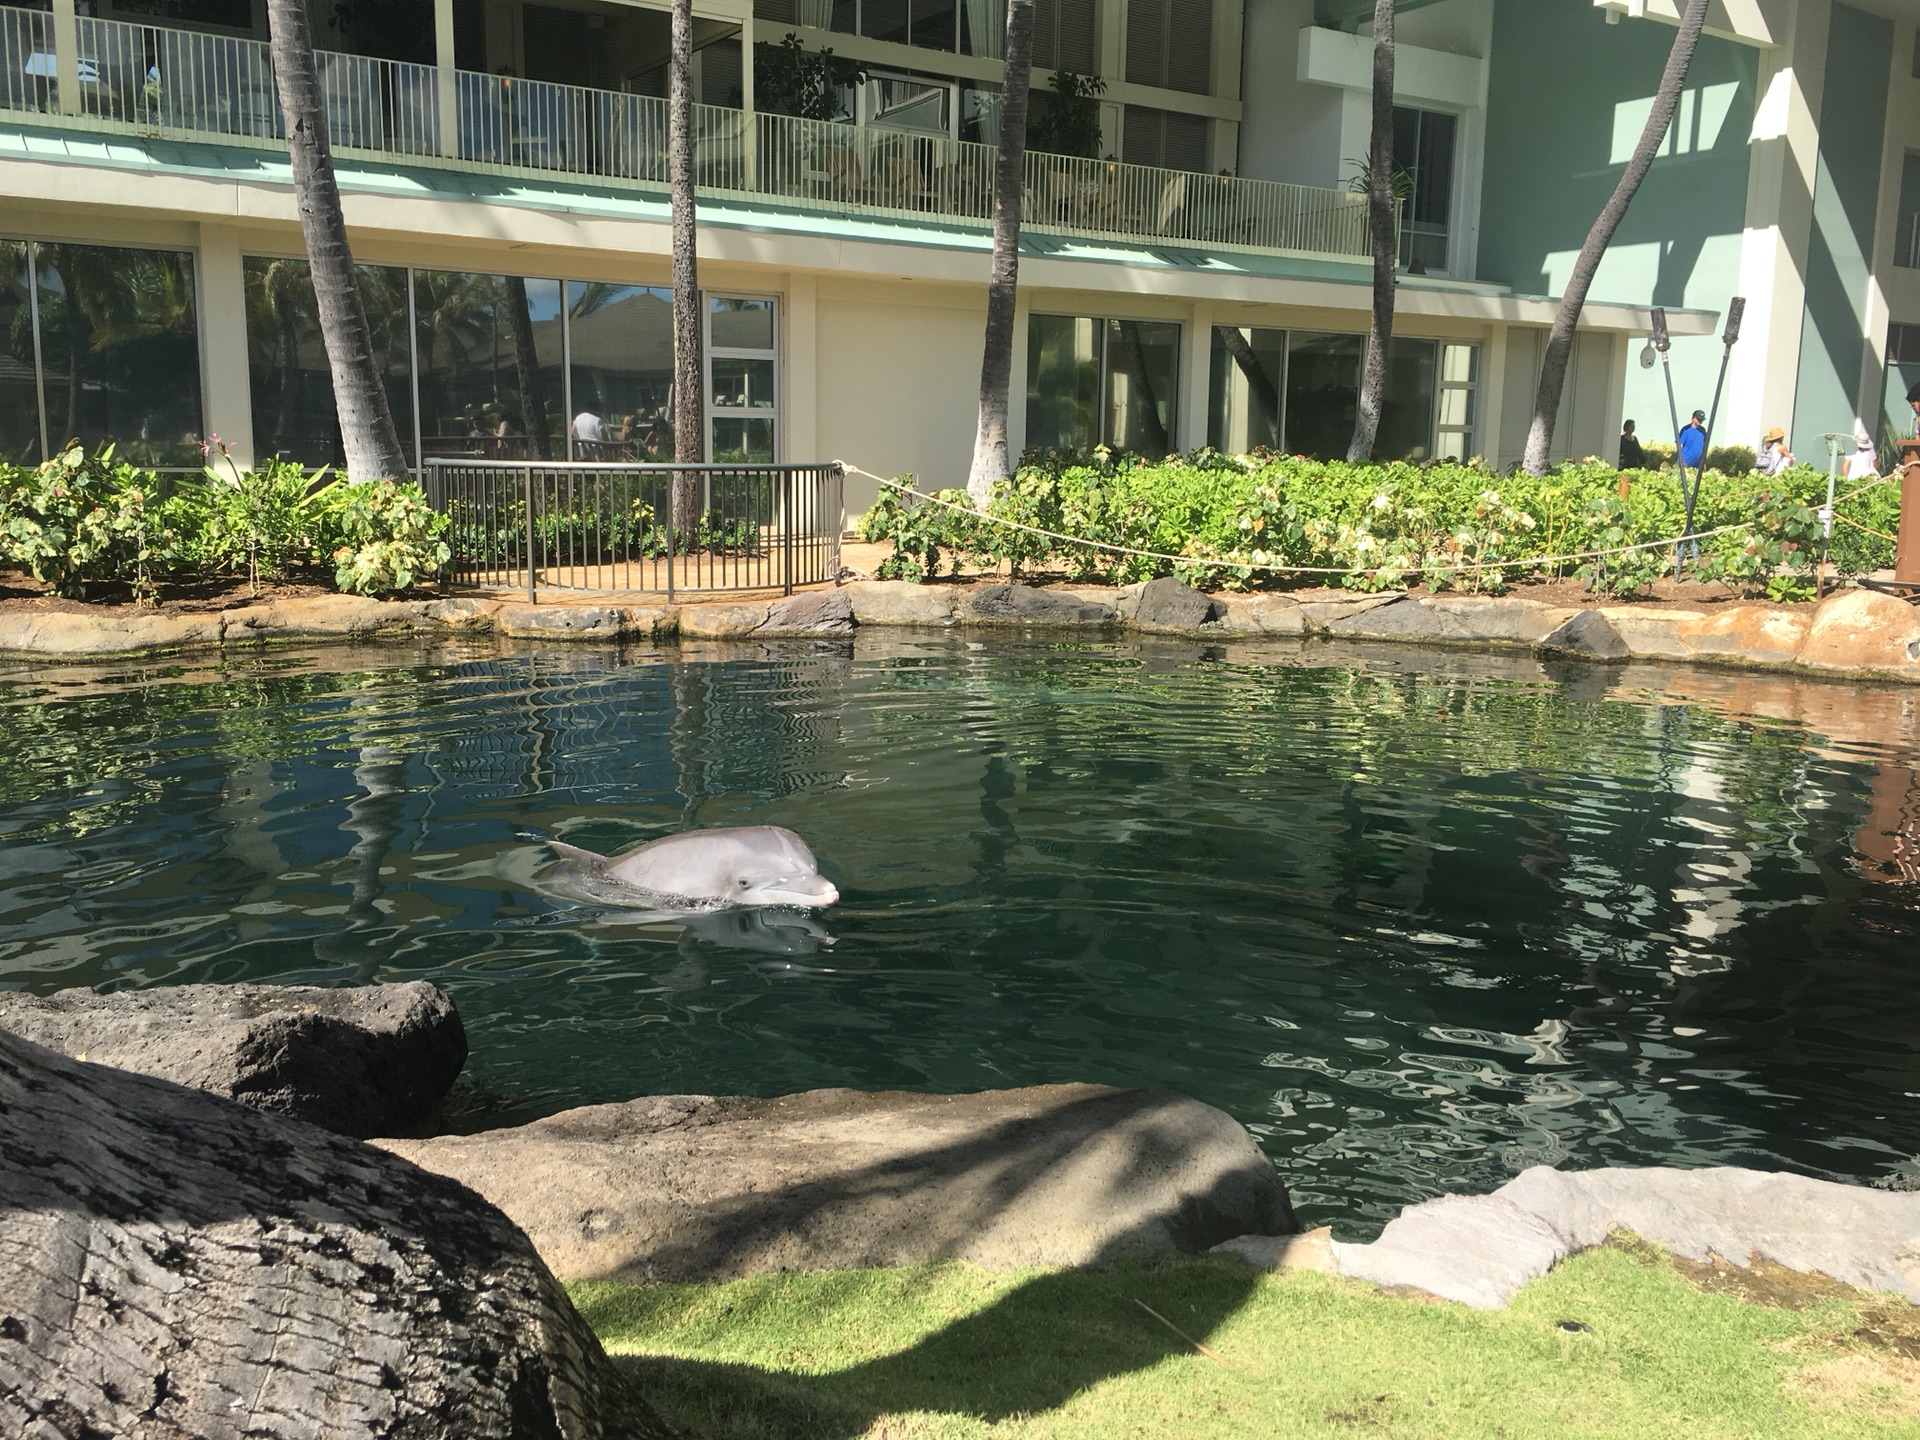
1101 382
742 378
620 358
1323 392
1423 147
1406 411
19 380
120 350
293 406
1248 373
488 350
1454 421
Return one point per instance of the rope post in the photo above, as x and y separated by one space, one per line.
1906 561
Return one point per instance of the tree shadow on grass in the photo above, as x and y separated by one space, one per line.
1032 1350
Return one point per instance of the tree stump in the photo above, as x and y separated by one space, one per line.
173 1264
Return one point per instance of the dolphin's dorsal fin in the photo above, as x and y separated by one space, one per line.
574 852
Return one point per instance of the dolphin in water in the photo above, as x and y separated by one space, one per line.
749 865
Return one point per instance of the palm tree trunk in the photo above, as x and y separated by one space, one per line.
1260 387
1380 218
1154 441
689 444
526 365
991 461
367 431
1553 369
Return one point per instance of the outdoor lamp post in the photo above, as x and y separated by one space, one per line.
1736 308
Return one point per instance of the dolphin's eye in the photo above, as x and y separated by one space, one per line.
744 884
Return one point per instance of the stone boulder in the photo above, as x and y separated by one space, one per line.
1589 635
1261 615
900 602
1165 604
553 621
695 1189
723 620
1024 605
1480 1249
174 1266
1864 630
373 1060
812 612
1502 619
76 633
1403 619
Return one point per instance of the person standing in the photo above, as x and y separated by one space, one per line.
1693 441
1632 457
1913 404
587 427
1774 455
1863 464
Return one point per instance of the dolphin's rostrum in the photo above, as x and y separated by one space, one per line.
708 869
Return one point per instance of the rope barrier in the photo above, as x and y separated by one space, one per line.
1422 567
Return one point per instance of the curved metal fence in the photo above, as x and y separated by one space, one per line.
620 527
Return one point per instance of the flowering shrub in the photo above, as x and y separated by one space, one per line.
1223 520
82 521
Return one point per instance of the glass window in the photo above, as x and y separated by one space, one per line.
1906 235
1459 396
1143 366
742 379
1248 375
1322 393
1423 147
120 351
489 356
19 383
1406 411
293 406
983 29
1063 382
621 359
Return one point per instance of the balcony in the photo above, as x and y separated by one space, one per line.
187 85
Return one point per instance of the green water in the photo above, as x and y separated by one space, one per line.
1417 924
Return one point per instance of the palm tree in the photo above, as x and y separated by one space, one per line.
689 444
1381 205
367 432
1553 369
990 459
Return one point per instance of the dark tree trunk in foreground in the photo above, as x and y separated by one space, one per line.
991 460
367 432
1380 229
1146 404
1553 369
173 1264
1260 386
526 365
689 407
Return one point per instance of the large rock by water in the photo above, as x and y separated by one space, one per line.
1480 1249
1025 605
1864 630
373 1060
692 1188
1164 604
174 1266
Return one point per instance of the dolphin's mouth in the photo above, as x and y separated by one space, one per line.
812 894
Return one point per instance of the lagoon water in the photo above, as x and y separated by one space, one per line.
1417 921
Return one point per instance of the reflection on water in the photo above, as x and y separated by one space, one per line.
1419 922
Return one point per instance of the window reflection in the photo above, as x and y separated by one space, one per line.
1323 393
622 367
1143 362
293 405
1407 409
1063 382
120 351
489 352
1092 382
19 389
1249 368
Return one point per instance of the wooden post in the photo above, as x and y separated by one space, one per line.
66 56
1906 562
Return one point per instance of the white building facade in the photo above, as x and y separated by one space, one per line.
1196 275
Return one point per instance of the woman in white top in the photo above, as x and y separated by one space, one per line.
1774 455
1863 464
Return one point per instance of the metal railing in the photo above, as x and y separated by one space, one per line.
618 527
155 80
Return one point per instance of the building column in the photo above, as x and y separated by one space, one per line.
801 416
1774 248
446 83
66 56
220 284
1493 390
1196 375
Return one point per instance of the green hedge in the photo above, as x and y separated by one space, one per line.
86 522
1450 526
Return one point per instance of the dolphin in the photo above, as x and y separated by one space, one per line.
702 869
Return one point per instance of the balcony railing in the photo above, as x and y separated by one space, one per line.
151 80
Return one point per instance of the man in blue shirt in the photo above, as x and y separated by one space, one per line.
1693 441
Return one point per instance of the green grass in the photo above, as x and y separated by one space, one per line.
950 1350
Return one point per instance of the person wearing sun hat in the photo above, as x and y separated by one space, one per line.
1774 455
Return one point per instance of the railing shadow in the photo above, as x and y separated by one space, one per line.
1033 1350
